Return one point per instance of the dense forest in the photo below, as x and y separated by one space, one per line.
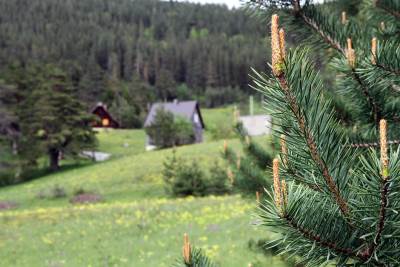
128 53
58 58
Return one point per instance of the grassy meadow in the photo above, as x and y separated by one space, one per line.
136 224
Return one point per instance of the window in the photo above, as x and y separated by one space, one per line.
105 122
196 118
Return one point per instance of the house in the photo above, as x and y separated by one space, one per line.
186 109
105 120
256 124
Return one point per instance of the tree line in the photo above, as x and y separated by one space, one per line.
59 57
173 49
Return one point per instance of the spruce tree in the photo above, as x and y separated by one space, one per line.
333 202
50 118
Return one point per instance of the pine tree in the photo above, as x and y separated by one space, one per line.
51 119
332 202
364 52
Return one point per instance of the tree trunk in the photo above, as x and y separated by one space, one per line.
54 159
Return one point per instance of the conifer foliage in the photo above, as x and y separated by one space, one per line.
248 170
364 51
192 257
333 202
46 113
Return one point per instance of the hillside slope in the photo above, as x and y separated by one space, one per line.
136 225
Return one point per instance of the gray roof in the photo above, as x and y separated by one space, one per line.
185 109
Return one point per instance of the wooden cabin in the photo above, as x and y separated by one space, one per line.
105 120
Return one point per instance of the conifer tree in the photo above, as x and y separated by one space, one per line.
332 202
364 52
48 114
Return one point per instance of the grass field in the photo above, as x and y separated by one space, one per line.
137 224
121 142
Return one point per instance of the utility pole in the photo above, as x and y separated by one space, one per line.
251 105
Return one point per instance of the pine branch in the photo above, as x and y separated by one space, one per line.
373 105
382 217
376 144
326 37
385 60
299 179
355 219
313 146
316 238
332 42
392 12
290 170
388 69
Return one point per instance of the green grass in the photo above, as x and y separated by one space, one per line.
130 142
143 233
121 142
122 179
216 116
137 224
218 123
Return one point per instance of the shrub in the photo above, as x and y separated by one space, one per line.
217 183
54 192
171 165
161 131
128 115
80 191
184 133
189 180
168 130
58 192
184 178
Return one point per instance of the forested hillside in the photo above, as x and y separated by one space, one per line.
112 49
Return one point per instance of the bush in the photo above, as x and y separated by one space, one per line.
184 133
217 183
184 178
189 180
81 191
54 192
168 130
171 165
128 115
